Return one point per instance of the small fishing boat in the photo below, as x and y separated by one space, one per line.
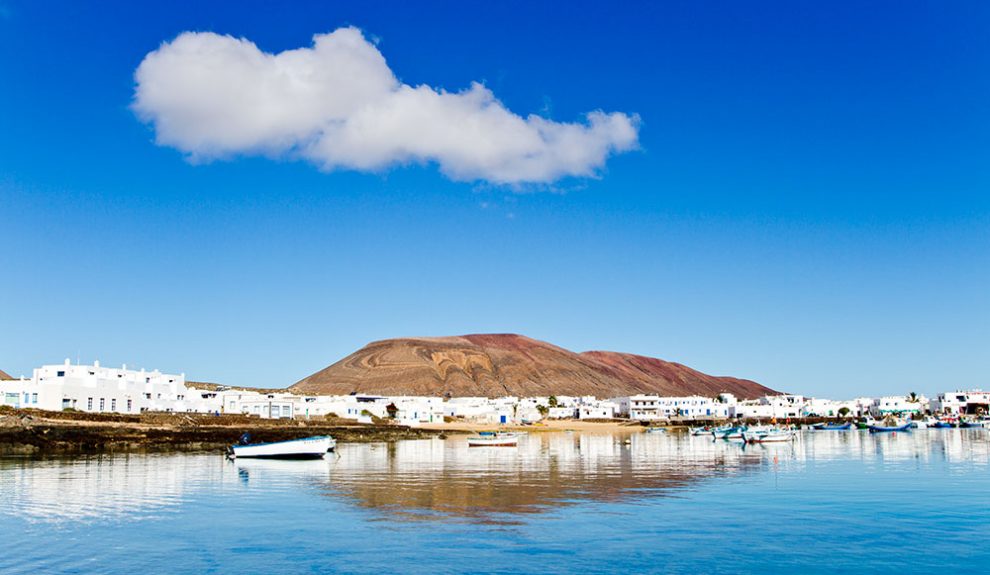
866 423
941 424
832 426
699 430
897 425
970 424
493 439
656 430
732 432
305 448
773 435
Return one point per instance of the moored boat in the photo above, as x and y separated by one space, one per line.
890 426
970 423
491 439
731 432
699 430
656 430
305 448
832 426
773 435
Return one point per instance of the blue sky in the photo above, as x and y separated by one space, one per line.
808 205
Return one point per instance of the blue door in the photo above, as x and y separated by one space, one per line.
502 419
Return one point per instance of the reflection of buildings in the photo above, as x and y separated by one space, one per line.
106 486
433 477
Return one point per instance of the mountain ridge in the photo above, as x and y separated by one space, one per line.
492 365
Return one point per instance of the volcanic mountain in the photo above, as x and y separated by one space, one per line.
493 365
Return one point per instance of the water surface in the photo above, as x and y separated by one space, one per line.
559 503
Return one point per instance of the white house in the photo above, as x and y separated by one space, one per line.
894 404
596 410
961 402
97 389
640 407
693 407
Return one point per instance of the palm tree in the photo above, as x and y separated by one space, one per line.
912 397
552 400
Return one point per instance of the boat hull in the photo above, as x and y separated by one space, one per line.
882 428
306 448
843 427
768 436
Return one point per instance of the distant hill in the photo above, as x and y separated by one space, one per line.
3 375
495 365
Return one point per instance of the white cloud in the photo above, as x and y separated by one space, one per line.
338 105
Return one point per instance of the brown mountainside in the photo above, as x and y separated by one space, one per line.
493 365
3 375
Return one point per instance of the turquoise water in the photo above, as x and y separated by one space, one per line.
559 503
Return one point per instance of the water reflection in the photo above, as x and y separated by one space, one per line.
436 478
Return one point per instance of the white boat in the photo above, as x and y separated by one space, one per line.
655 430
768 436
305 448
490 439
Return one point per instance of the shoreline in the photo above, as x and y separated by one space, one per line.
33 432
37 432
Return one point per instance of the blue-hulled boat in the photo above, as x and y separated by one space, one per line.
881 428
943 425
832 426
970 424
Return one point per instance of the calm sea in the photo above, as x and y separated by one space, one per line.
831 502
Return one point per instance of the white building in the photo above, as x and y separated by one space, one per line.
640 407
894 404
96 389
693 407
961 402
597 410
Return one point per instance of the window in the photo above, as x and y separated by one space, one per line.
128 405
113 404
60 374
34 398
103 403
89 404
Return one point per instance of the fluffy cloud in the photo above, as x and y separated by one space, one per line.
338 105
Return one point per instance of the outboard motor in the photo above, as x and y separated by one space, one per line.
245 439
